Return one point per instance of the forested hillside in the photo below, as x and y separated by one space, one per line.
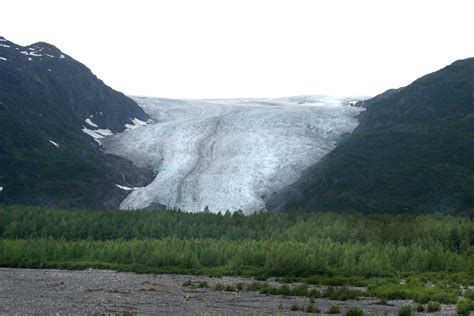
50 105
412 152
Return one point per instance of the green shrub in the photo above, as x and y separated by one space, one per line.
284 290
354 311
239 286
433 307
219 287
405 311
334 309
415 291
420 308
464 307
469 294
255 286
294 307
301 290
312 309
229 288
187 283
341 294
203 284
314 293
329 291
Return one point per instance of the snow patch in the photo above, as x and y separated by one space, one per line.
49 69
104 132
61 56
54 143
32 53
124 187
1 189
88 121
136 124
97 133
3 45
91 132
3 58
139 122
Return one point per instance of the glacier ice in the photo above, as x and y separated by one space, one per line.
229 154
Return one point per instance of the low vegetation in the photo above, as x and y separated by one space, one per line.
427 258
405 311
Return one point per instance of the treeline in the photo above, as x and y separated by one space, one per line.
245 257
422 257
455 234
271 244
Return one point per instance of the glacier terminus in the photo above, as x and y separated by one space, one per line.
229 154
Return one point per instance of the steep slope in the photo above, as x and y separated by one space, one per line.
412 152
53 112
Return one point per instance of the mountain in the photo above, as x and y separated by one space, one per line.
53 113
413 151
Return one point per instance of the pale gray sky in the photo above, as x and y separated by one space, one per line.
249 48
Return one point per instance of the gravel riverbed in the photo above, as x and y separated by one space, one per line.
30 291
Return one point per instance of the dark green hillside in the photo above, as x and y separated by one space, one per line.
412 152
45 98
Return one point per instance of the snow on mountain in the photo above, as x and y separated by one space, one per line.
54 143
229 154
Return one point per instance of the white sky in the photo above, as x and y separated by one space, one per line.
249 48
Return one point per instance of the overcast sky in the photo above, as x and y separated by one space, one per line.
254 48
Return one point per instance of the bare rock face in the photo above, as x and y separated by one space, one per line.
53 114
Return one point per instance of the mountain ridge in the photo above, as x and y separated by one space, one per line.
412 152
53 113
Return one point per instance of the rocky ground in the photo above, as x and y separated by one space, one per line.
28 291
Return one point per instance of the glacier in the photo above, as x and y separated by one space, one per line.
229 154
